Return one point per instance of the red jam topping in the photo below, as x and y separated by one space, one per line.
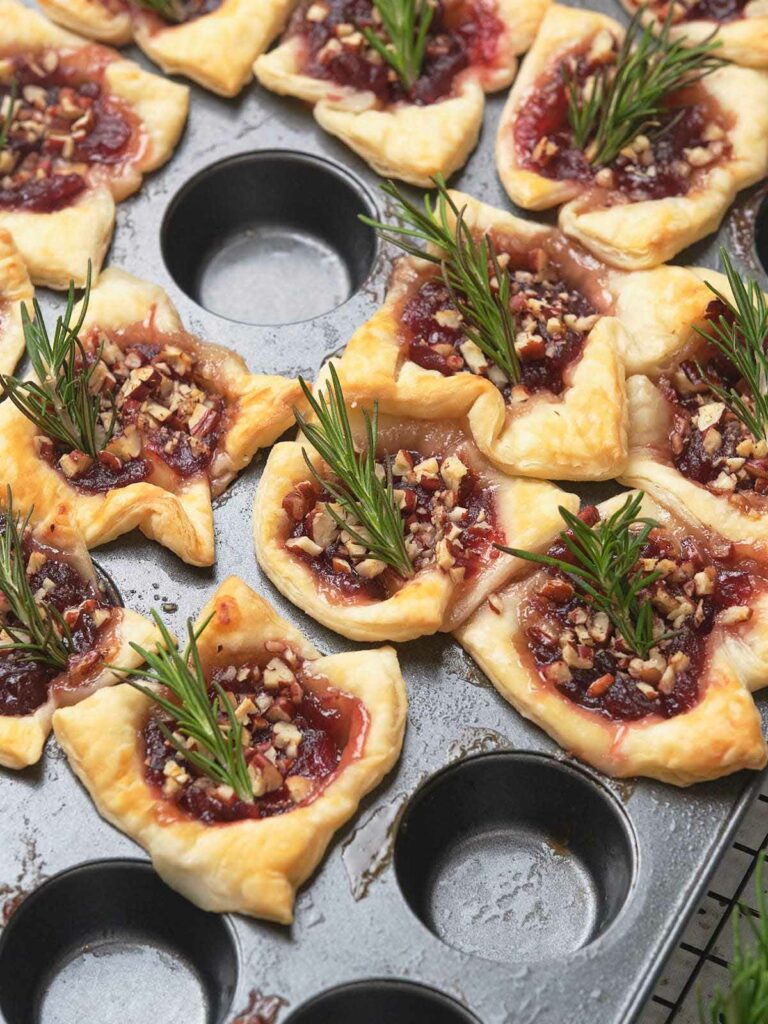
337 50
297 737
721 11
60 119
552 321
689 138
24 682
578 652
708 443
450 521
169 418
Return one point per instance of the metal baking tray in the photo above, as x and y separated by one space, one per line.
557 893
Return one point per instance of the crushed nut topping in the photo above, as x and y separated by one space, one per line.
59 123
337 50
690 139
293 740
449 518
708 443
578 650
165 411
84 609
552 318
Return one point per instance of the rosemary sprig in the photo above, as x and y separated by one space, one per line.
406 23
60 402
168 10
7 120
742 338
37 631
605 572
627 98
466 266
746 999
219 751
365 498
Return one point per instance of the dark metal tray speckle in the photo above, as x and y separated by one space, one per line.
354 920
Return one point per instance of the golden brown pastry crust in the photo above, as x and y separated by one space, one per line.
637 235
15 291
526 511
406 141
743 41
252 867
720 735
58 246
649 466
22 737
181 520
216 50
579 435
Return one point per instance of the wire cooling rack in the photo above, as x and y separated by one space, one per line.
699 964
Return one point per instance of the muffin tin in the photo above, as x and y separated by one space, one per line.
489 879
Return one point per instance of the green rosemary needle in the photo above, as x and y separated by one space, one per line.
604 569
366 499
218 749
7 120
60 402
745 1001
35 630
627 98
406 23
168 10
467 267
742 337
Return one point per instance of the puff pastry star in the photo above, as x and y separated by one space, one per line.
190 416
415 134
683 715
654 198
332 728
685 445
85 126
15 290
61 576
213 42
566 418
742 25
454 504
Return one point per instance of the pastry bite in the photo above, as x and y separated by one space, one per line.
741 26
403 88
504 321
292 743
155 423
79 128
59 628
699 414
15 291
383 527
637 646
213 42
642 142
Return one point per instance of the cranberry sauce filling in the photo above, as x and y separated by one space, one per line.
295 740
183 11
167 415
578 651
24 682
708 443
690 136
59 120
336 49
721 11
450 522
552 320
